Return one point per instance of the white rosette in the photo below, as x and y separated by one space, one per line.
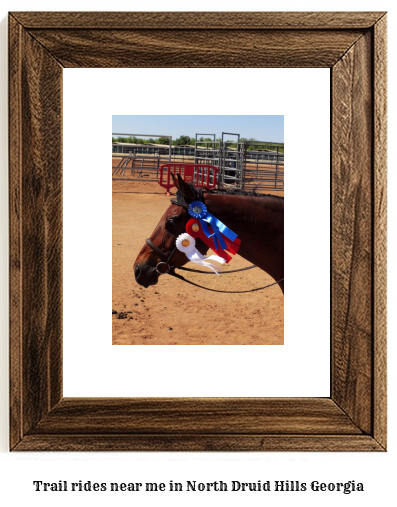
187 244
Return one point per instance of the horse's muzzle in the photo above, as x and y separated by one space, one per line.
146 275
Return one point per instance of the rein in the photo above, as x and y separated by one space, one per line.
221 273
172 273
165 267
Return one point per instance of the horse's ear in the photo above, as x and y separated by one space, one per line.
181 185
175 180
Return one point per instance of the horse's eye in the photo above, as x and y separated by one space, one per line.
171 222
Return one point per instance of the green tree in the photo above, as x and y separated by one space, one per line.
182 140
163 140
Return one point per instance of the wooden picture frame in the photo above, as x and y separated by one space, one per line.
353 46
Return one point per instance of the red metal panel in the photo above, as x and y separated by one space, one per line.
199 174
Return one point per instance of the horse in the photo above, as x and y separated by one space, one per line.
258 220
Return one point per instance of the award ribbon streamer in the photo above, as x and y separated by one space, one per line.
187 244
193 227
221 232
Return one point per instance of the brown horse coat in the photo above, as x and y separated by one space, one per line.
257 220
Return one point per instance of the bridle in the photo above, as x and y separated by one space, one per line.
166 267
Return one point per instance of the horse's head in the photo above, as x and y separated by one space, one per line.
160 254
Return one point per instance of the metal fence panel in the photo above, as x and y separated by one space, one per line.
243 164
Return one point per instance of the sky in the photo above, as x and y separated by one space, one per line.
262 128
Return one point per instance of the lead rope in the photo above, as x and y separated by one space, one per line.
172 273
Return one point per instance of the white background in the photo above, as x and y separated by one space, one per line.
17 471
287 370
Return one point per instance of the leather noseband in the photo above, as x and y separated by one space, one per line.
165 265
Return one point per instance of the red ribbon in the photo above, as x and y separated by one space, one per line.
232 246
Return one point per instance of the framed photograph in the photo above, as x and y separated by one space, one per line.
353 46
226 308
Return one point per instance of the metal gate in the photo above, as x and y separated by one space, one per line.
207 151
220 153
243 164
232 162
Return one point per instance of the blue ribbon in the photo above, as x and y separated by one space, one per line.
198 205
216 236
218 227
221 226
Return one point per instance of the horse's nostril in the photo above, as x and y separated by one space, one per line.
137 271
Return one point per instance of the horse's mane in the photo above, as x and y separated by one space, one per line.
237 191
198 192
181 197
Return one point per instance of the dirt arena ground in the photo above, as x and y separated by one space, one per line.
173 312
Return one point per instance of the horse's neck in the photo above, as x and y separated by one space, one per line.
247 214
259 223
